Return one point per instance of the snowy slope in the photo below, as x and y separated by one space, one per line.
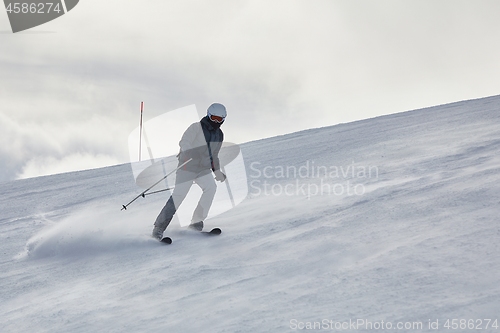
412 241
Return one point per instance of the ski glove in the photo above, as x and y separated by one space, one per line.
219 176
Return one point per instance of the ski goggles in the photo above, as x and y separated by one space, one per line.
216 119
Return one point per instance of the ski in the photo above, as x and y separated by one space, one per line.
166 240
214 231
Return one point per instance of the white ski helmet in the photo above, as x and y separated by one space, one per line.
218 110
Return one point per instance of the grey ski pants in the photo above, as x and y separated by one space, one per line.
183 182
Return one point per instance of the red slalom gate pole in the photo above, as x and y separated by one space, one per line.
140 132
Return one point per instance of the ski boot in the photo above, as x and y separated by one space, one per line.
157 233
197 226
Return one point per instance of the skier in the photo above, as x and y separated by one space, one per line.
202 142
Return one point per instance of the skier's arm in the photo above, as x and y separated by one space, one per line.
215 155
219 175
187 143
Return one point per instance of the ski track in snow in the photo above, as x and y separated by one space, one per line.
420 244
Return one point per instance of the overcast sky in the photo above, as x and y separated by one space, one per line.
70 89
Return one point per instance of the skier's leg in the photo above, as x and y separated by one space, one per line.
209 187
183 182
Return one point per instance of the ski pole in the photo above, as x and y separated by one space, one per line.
228 188
143 194
159 191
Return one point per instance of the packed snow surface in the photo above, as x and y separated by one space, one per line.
387 221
